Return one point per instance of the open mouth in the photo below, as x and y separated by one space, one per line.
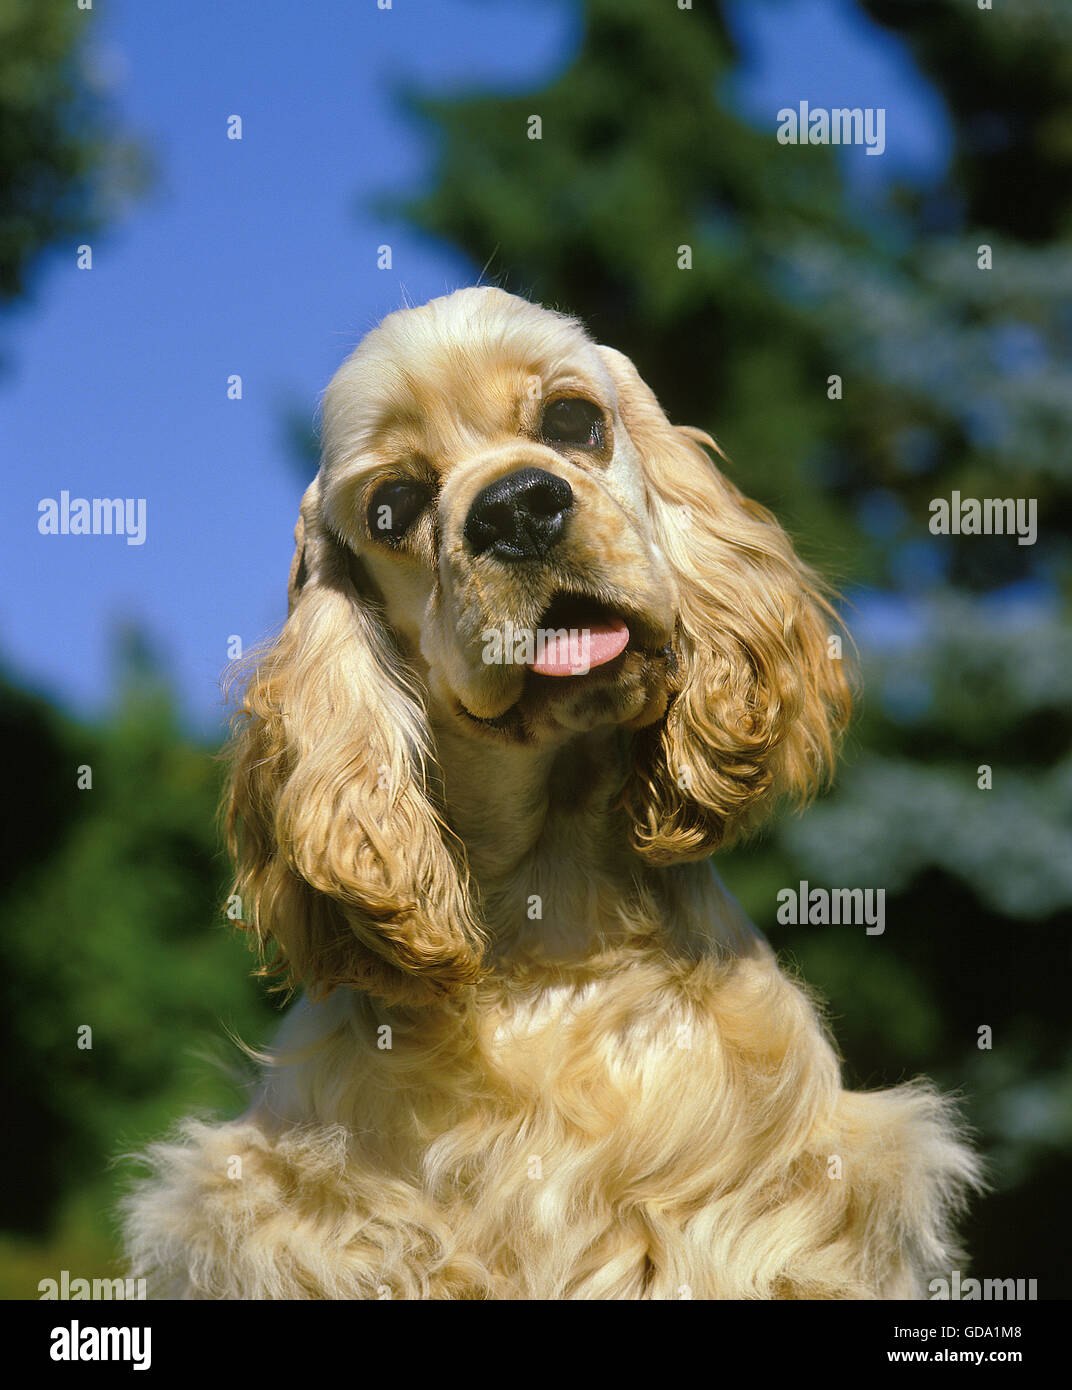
577 634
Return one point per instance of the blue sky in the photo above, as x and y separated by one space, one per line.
258 257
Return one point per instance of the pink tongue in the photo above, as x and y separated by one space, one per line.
582 649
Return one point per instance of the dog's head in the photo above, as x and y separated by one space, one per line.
506 531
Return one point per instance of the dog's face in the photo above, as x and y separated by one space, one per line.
479 465
506 532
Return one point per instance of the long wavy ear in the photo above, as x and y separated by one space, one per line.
343 863
759 693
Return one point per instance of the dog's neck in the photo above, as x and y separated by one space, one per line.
507 802
549 855
539 825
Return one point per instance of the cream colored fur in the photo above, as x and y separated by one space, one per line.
543 1054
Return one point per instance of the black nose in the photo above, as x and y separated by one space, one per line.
519 517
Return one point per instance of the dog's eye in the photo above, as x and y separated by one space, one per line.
572 420
395 506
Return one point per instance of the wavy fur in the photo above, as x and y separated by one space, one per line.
542 1054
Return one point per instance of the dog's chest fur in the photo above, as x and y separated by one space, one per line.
652 1131
664 1119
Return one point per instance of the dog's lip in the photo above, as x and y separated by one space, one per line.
504 722
549 686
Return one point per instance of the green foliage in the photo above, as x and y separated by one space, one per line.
63 170
113 922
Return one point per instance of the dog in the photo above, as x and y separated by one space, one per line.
542 658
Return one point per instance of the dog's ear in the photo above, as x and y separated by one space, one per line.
343 864
759 692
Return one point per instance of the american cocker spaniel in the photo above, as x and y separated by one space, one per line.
542 658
